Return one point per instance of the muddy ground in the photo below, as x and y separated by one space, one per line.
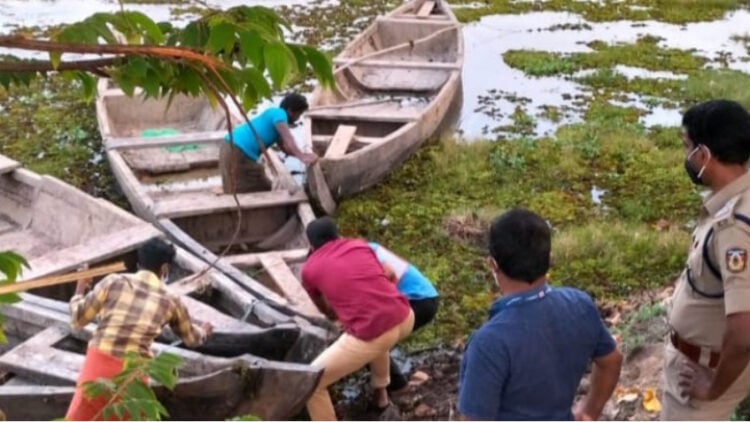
639 324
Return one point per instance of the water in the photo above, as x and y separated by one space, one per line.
486 41
491 89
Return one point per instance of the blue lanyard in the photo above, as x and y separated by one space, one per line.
529 297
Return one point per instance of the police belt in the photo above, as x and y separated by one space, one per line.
692 351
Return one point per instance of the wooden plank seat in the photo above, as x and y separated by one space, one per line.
369 115
166 141
94 249
199 203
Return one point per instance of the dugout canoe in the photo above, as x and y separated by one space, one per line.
394 84
165 160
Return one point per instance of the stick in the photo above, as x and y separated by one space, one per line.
352 104
410 43
61 279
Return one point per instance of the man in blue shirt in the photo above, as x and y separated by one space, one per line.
268 128
423 298
527 361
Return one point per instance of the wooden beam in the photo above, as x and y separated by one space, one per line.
95 249
289 285
412 17
341 140
426 9
62 279
245 261
165 141
200 203
7 165
365 115
35 359
400 64
360 139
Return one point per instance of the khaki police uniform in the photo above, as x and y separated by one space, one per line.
715 283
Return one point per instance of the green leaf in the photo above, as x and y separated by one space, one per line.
278 62
251 46
152 30
54 58
11 265
300 58
151 85
321 65
222 34
89 85
258 81
195 34
138 67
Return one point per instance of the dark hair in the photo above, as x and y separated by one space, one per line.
155 253
321 231
721 125
294 102
520 245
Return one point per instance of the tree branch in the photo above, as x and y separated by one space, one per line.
22 43
46 66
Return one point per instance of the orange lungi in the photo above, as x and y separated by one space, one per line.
97 365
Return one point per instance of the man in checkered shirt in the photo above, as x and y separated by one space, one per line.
132 310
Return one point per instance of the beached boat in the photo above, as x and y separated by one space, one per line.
395 83
165 160
57 228
43 358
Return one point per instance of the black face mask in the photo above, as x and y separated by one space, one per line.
695 175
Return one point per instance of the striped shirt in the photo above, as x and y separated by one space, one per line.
132 310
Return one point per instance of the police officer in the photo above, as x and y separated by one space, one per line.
706 371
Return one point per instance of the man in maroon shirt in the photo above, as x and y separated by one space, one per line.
345 279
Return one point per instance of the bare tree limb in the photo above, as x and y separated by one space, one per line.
46 66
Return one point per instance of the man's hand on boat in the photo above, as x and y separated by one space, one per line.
207 328
83 283
309 158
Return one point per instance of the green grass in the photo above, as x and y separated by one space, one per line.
644 53
439 203
673 11
52 130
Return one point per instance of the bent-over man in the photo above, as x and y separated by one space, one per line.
269 127
132 310
345 280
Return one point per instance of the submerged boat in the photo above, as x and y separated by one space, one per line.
395 83
165 159
57 228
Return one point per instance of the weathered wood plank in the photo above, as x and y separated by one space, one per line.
7 165
341 140
245 261
94 249
426 9
36 360
166 141
400 64
289 284
367 115
199 203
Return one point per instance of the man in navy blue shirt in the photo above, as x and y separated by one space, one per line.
526 362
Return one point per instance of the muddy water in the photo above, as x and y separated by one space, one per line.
491 89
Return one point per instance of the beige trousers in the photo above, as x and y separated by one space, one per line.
348 354
676 408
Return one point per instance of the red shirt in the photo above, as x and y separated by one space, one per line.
347 273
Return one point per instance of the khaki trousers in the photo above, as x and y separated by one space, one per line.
676 408
251 176
348 354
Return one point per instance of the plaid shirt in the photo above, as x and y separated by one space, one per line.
132 310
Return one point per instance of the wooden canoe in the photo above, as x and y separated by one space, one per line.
42 361
57 228
171 181
395 83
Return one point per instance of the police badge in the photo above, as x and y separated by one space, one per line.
736 259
